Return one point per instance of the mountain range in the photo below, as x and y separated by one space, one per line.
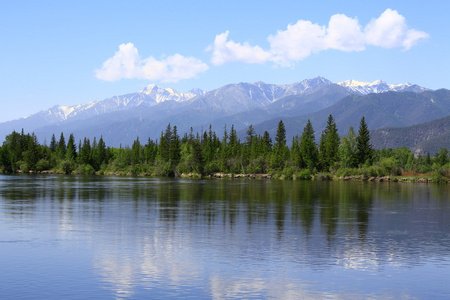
120 119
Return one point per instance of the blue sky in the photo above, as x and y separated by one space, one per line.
72 52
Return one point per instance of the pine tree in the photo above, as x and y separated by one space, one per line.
174 147
280 138
61 148
84 156
280 150
266 143
329 143
53 143
296 157
308 147
136 152
364 149
347 149
71 152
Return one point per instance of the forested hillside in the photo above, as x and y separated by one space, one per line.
421 139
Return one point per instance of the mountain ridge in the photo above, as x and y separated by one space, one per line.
153 94
148 111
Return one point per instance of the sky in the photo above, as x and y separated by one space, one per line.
73 52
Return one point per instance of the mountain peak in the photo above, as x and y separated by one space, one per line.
161 94
378 86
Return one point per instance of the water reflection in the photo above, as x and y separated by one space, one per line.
237 238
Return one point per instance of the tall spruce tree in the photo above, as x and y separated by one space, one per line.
308 147
364 150
347 149
174 147
71 152
61 148
329 144
280 150
136 152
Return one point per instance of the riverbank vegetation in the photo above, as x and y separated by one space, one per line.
205 154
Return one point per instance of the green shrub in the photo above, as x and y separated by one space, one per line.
43 165
304 174
86 169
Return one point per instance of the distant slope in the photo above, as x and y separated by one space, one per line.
390 109
421 138
119 119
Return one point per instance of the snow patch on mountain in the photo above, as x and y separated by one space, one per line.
378 86
160 94
151 95
230 98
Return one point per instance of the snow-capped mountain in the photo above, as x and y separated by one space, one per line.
379 86
147 112
151 95
239 97
160 94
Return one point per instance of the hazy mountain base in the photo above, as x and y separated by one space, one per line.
390 109
421 138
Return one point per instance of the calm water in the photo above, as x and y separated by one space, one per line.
70 237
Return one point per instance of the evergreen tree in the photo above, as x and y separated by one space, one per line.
174 147
12 151
31 154
84 155
329 143
71 152
442 157
280 138
308 147
280 150
61 148
98 154
164 144
296 157
250 135
53 143
233 143
364 149
347 149
266 143
150 151
136 152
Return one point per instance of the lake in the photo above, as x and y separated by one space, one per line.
100 237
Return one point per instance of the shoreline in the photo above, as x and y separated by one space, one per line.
267 176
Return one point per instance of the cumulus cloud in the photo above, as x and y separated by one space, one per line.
126 63
344 34
224 51
390 30
305 38
297 42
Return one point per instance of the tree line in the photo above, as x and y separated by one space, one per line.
205 153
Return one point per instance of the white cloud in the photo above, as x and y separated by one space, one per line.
224 51
344 34
304 38
297 42
126 63
390 30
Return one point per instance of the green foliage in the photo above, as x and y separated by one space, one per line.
389 166
308 148
86 169
304 174
364 149
206 154
347 149
329 145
